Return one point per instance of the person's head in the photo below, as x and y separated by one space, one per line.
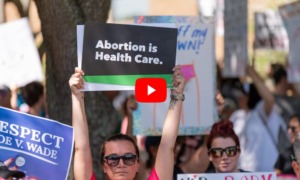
280 80
239 94
223 147
33 93
8 174
151 145
294 127
120 157
5 96
196 147
278 74
194 142
229 108
189 147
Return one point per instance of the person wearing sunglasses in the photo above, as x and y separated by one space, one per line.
120 156
283 163
224 147
294 127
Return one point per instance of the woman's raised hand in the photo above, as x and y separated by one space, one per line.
76 82
178 80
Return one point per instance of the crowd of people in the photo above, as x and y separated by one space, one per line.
29 99
257 119
252 117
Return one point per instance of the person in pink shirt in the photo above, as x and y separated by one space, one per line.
120 156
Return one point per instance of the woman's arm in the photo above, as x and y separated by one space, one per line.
14 97
131 105
83 166
164 162
262 89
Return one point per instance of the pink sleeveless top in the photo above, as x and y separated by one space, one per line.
93 176
153 175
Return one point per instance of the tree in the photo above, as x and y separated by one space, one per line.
59 19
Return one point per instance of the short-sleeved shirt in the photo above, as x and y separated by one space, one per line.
153 175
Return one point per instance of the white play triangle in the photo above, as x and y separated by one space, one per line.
150 90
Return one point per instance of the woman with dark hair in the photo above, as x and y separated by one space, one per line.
195 155
224 147
257 124
33 95
120 156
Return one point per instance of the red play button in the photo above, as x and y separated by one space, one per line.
150 90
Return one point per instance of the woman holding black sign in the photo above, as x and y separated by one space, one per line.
123 147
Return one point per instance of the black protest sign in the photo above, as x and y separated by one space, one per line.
127 50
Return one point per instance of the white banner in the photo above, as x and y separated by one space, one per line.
290 14
229 176
269 31
195 54
235 39
19 59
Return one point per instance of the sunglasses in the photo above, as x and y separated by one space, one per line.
293 128
218 152
128 159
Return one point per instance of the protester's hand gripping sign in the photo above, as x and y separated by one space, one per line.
41 148
115 56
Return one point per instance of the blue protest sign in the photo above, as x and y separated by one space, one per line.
41 148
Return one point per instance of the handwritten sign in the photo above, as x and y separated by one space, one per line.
196 56
229 176
39 146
